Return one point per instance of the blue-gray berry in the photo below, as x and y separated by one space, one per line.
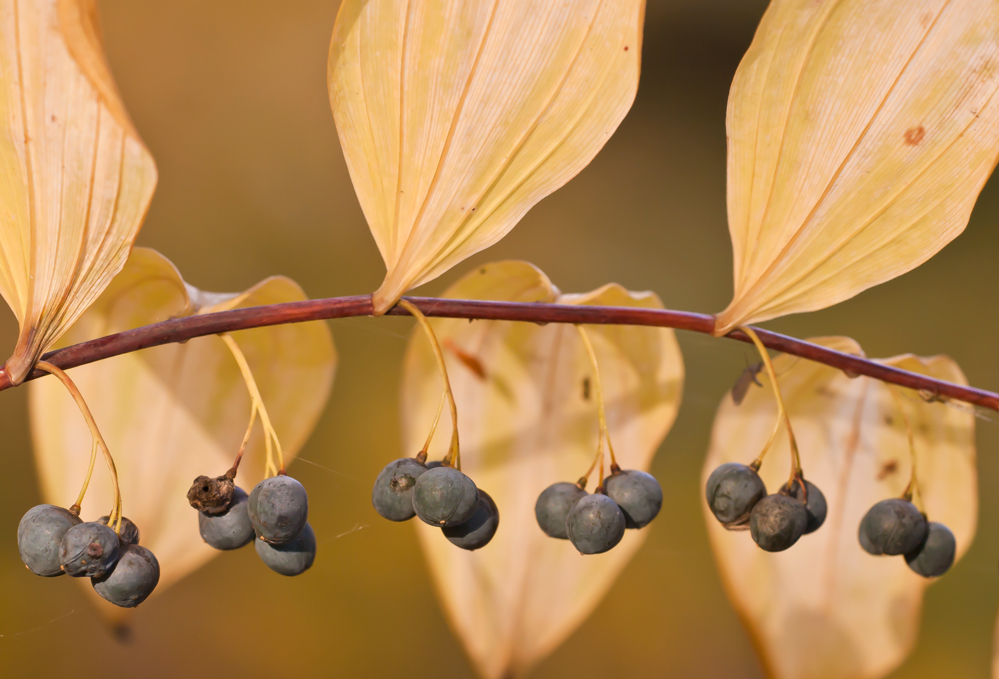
231 529
777 522
392 496
278 509
131 580
595 524
39 535
88 550
290 558
732 491
637 493
445 497
935 555
816 506
478 530
129 533
892 527
553 505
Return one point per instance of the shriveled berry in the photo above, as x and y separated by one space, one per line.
38 537
732 491
892 527
230 530
129 533
637 493
278 509
131 580
595 524
777 522
445 497
553 505
392 495
815 507
88 549
290 558
478 530
212 494
935 555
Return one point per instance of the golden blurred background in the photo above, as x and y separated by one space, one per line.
231 98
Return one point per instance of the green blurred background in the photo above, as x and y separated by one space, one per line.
231 98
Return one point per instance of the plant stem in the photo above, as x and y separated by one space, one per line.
454 455
598 388
95 433
781 410
190 327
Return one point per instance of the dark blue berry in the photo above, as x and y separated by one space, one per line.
88 549
478 530
892 527
553 505
131 580
392 496
290 558
278 509
637 493
935 555
445 497
231 529
595 524
777 522
732 491
128 534
816 506
39 535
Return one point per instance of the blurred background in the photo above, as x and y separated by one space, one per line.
231 98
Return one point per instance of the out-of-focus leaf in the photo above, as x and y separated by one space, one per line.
860 134
529 422
826 609
456 117
174 412
75 179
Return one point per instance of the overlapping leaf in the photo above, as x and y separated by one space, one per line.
174 412
826 609
75 179
860 134
456 117
528 419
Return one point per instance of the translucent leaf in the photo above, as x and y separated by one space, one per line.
75 179
457 117
172 413
860 134
528 419
826 609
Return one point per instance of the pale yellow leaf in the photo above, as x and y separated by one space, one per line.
456 117
860 134
172 413
75 179
530 422
825 608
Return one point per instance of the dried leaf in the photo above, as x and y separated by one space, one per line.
457 117
527 425
826 609
174 412
860 134
75 179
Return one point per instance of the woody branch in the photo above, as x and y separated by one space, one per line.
183 329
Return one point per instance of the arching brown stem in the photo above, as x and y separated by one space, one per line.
183 329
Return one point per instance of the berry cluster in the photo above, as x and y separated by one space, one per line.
738 498
896 527
441 496
595 523
53 541
276 511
